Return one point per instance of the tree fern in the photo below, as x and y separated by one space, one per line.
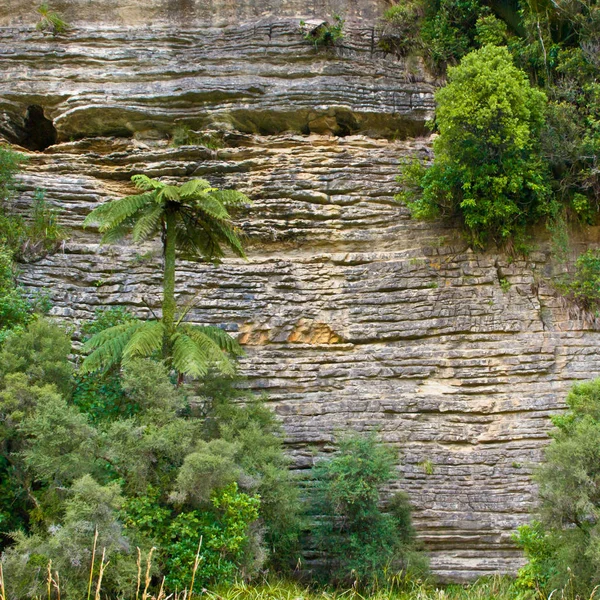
193 218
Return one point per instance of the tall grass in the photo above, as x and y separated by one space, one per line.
396 588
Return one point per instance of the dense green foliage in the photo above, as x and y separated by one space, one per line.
360 541
563 545
24 241
556 45
488 168
583 285
169 466
193 218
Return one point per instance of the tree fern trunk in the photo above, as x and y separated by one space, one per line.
168 307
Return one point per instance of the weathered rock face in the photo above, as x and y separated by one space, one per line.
353 315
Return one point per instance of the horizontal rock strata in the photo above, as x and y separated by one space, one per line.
354 317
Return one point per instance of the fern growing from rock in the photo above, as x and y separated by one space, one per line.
194 219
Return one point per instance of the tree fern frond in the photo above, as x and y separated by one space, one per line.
107 346
115 212
115 234
188 357
147 224
189 188
216 335
211 207
146 340
231 198
214 340
228 235
143 182
100 338
169 192
195 237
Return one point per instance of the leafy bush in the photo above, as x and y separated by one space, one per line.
15 309
101 395
583 286
448 30
356 538
563 548
488 170
400 31
183 135
160 471
10 165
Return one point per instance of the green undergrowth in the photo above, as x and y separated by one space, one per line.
492 588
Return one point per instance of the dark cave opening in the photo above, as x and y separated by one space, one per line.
38 131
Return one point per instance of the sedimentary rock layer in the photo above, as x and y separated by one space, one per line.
353 315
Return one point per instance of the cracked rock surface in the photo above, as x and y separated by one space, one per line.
353 316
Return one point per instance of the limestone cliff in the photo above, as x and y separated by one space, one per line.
353 315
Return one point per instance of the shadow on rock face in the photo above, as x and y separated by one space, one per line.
38 131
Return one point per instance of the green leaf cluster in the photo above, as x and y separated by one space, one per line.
167 467
357 539
583 285
488 170
563 546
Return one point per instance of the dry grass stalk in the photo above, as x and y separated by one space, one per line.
49 580
103 566
2 589
56 583
139 573
161 591
196 563
148 567
92 567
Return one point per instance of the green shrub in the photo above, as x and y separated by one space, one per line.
325 35
490 30
183 135
539 552
357 540
89 507
583 286
448 30
101 395
15 308
10 165
563 548
487 170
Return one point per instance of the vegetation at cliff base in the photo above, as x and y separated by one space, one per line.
562 545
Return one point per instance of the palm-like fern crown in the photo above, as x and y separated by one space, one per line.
202 228
203 223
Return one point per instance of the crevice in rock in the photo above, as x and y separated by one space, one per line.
38 132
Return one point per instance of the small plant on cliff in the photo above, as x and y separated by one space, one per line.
488 169
193 218
358 540
400 28
50 21
326 34
583 286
